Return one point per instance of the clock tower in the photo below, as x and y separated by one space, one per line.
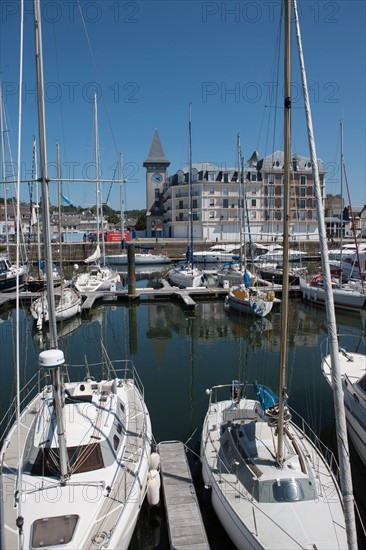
156 166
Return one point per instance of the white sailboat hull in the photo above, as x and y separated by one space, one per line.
68 305
244 480
353 373
103 501
98 279
186 277
140 259
348 298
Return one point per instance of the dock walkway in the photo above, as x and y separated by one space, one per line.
185 524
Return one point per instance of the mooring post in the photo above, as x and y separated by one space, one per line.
131 271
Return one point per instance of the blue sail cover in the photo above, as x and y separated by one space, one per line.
266 397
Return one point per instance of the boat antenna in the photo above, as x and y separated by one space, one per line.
56 374
340 418
286 201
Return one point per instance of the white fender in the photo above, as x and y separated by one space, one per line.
154 461
153 488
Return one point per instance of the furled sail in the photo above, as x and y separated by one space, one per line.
94 257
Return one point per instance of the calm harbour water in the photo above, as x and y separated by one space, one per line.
179 353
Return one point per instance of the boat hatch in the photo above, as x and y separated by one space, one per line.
53 531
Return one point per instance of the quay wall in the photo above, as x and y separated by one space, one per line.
174 248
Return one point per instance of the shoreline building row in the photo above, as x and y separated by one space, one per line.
226 201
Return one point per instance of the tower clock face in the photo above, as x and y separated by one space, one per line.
156 178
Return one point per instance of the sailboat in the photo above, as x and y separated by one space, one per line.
244 296
353 375
98 277
349 296
68 300
270 484
186 274
74 465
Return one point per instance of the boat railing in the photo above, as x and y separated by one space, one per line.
27 392
347 343
116 368
317 443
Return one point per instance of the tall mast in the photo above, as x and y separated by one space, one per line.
56 376
341 177
97 174
286 209
241 222
122 200
340 417
59 203
190 212
2 130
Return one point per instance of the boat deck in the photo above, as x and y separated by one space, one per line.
185 524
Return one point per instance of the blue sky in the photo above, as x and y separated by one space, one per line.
148 59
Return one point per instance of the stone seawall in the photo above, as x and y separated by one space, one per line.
174 248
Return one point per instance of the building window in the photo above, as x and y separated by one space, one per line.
302 203
254 202
226 177
271 191
194 203
212 190
225 191
271 179
302 215
302 180
271 203
302 192
211 202
211 214
225 203
253 215
180 205
253 176
180 216
157 196
224 216
211 176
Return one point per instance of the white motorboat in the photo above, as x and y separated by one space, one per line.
353 375
218 253
274 253
141 258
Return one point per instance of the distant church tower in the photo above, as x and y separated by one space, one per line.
156 166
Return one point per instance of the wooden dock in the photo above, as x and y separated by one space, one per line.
186 295
185 524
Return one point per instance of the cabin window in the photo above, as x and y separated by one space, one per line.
53 531
115 442
288 490
119 428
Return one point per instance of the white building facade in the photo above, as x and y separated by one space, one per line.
228 204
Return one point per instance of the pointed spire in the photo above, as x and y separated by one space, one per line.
254 159
156 154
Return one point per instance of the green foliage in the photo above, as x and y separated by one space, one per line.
141 221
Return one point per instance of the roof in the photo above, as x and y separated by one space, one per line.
156 154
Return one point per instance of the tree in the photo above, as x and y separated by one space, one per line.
141 221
